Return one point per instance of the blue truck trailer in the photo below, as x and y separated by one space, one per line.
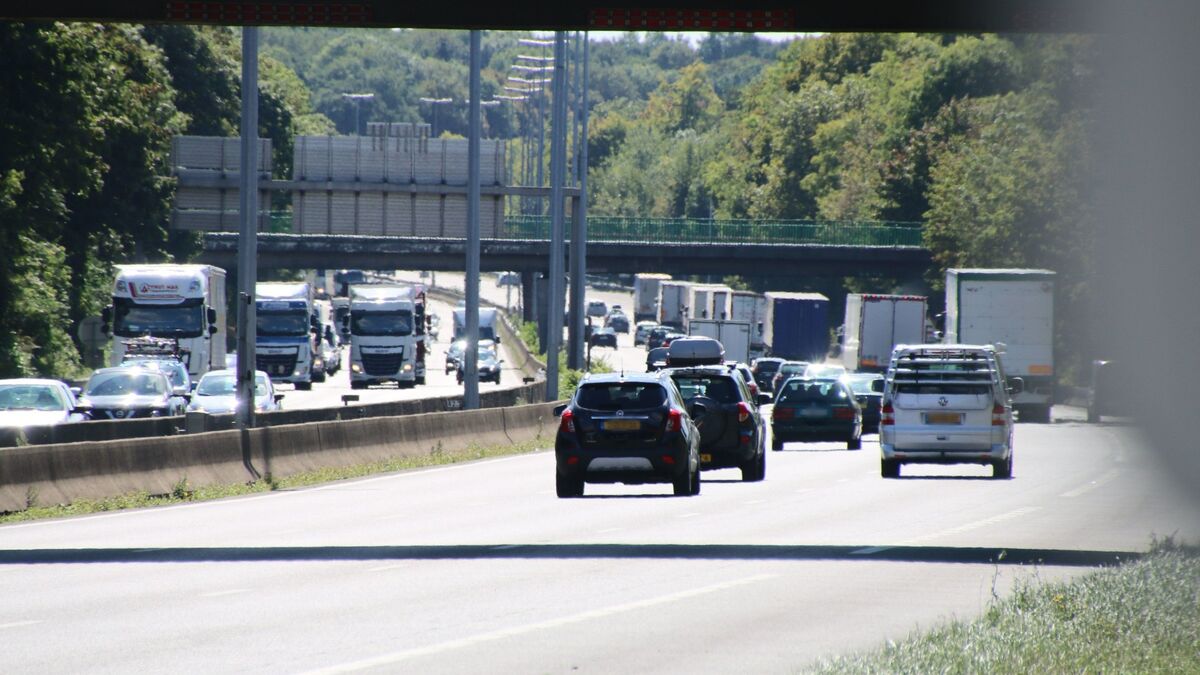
797 326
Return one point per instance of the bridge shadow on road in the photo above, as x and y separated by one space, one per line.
516 551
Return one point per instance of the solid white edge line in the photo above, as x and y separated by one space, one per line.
403 655
270 495
18 624
221 594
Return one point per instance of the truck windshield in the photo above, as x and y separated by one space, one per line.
397 323
283 324
133 320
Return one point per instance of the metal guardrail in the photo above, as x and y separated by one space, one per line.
704 231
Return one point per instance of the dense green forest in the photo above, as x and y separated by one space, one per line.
982 138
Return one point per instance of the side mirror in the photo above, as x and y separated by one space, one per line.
187 396
877 386
764 399
278 398
1016 385
558 410
212 329
76 391
212 315
106 320
497 338
82 408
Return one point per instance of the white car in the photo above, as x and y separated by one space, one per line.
217 393
28 402
946 404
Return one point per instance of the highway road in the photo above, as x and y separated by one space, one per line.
479 568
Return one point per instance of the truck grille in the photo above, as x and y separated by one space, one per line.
382 364
276 364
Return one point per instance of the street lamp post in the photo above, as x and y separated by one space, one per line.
435 102
357 98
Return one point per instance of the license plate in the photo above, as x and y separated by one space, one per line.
814 412
622 425
705 458
943 418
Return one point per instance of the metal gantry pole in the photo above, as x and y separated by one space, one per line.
558 141
579 225
471 352
248 242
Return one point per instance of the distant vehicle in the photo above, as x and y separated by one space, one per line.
454 355
605 337
488 362
176 372
27 402
674 298
216 393
734 335
655 337
787 370
626 428
751 307
946 404
645 295
796 325
508 279
656 359
732 434
824 370
641 332
671 337
764 369
387 335
747 377
617 321
875 324
815 410
286 346
868 391
129 392
597 309
1012 309
487 323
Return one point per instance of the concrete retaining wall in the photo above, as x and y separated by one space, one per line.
61 474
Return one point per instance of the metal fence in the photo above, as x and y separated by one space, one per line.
687 230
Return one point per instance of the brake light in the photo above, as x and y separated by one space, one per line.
842 413
674 421
998 419
568 422
743 411
887 415
783 413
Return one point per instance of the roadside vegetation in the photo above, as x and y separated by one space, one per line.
183 492
568 379
1140 617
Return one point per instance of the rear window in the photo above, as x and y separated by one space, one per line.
719 389
766 367
947 388
798 392
621 396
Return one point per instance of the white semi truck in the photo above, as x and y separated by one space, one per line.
387 335
184 303
733 335
1012 309
645 295
751 307
285 344
674 298
875 324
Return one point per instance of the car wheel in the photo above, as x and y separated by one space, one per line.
756 469
776 444
567 487
696 482
854 443
1002 469
889 468
683 484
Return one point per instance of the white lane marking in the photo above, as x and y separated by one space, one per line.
609 530
505 547
18 624
1084 489
870 550
967 527
272 495
220 594
449 645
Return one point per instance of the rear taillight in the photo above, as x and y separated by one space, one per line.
783 413
887 415
998 417
843 413
743 411
674 421
568 422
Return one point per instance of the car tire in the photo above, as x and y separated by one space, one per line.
696 481
776 444
1002 469
683 484
889 468
567 487
755 470
304 386
854 443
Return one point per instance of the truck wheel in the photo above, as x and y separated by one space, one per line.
304 386
889 468
421 380
1093 415
776 444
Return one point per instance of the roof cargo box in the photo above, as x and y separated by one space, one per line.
695 351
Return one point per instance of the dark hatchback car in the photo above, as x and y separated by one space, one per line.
626 428
869 398
605 337
815 410
764 370
732 434
654 339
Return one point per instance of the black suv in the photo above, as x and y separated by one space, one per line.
726 413
764 370
626 428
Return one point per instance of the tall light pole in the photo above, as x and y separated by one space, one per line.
357 98
435 102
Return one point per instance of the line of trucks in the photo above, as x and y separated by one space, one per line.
384 324
1010 308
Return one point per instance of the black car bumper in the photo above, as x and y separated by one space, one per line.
840 430
660 464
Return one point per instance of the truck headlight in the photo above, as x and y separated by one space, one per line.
318 363
356 367
407 367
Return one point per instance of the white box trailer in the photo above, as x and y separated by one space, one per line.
750 307
674 298
1012 309
733 335
875 324
645 295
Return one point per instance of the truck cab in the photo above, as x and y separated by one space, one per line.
387 335
285 344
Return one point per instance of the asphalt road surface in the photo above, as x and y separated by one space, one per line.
480 568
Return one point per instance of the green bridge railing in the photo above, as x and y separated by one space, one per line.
686 230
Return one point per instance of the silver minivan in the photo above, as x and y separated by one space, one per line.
946 404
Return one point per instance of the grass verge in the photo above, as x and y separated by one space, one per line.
1141 617
182 492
